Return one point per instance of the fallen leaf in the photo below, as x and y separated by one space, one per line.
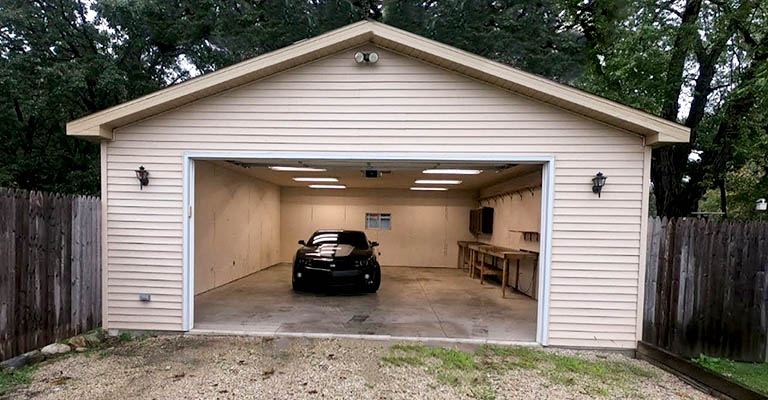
60 381
266 374
313 391
179 376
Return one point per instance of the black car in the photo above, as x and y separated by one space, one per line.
336 258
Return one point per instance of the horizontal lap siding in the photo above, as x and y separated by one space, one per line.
398 105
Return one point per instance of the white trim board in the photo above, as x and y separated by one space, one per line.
548 183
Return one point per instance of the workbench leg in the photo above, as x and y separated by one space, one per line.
482 267
517 276
504 276
461 259
472 263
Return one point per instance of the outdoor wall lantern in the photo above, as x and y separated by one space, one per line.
761 205
143 176
598 182
368 58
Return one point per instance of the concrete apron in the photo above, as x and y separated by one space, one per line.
385 338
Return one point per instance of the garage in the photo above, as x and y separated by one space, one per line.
199 232
250 215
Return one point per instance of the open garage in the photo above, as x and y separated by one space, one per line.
199 232
250 214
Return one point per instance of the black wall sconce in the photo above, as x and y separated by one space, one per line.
598 182
143 176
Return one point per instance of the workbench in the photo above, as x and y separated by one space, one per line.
479 253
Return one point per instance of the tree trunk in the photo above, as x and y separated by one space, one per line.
723 198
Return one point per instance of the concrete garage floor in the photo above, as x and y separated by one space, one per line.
423 302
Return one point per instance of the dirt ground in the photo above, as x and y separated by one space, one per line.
196 367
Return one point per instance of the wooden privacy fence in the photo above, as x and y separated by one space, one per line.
707 287
50 269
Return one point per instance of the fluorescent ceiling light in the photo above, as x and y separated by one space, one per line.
429 188
436 182
313 179
297 169
453 171
327 186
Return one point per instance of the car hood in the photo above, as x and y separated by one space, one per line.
333 251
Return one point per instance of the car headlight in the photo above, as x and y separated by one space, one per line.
366 262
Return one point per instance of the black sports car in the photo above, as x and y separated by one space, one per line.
333 258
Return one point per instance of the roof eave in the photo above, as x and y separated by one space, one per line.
657 131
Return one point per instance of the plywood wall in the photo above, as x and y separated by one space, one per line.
237 225
425 226
514 213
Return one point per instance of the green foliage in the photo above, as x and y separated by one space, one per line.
662 56
12 379
527 34
754 375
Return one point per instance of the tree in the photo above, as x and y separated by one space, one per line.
653 54
55 66
527 34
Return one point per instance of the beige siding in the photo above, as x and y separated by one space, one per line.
398 105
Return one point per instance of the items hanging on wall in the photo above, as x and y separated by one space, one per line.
519 192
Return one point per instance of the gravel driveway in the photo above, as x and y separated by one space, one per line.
175 367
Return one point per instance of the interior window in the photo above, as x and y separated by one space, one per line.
378 221
385 221
371 221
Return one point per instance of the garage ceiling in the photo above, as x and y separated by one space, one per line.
395 174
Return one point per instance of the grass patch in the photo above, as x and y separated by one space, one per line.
403 360
10 380
602 378
754 375
449 367
449 358
469 373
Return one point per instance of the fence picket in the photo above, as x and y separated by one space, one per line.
36 248
707 287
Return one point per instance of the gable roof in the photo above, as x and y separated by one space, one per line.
656 130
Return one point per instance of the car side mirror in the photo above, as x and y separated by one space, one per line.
374 244
303 243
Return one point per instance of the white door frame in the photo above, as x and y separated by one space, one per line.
547 198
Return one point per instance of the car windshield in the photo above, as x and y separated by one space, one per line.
352 238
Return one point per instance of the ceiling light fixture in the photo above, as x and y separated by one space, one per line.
441 189
296 169
448 171
437 182
327 186
314 179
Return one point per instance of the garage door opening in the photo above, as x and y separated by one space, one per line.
448 234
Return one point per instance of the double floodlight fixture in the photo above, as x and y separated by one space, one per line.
366 58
